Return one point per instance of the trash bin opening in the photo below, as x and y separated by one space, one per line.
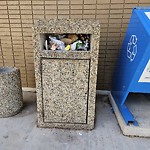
65 42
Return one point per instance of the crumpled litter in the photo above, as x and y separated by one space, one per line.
67 42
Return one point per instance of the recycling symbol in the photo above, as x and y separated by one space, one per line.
132 48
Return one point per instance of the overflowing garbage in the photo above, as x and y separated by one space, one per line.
66 42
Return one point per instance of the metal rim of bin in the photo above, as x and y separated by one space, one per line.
11 98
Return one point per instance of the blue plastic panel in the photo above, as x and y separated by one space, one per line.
134 56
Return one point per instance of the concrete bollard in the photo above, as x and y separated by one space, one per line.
11 98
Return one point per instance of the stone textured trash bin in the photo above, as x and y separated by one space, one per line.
11 99
66 80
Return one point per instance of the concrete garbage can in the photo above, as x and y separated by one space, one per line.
66 72
11 99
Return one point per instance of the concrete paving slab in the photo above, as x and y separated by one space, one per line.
139 105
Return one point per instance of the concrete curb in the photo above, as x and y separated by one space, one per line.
27 89
128 130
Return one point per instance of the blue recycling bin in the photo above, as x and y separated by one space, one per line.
132 72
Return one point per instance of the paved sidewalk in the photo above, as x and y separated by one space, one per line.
20 132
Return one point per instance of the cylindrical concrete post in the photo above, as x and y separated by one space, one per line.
11 99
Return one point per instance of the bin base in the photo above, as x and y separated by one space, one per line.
143 130
65 126
11 114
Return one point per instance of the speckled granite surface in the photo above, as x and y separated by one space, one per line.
11 99
66 81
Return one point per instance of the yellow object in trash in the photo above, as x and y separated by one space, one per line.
67 48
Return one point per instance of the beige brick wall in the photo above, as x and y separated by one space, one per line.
18 16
